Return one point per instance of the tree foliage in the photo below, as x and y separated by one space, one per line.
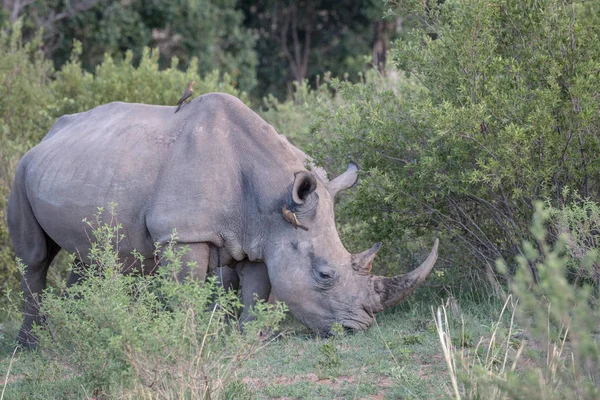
300 40
274 41
210 31
506 112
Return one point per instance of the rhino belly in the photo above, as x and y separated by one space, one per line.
68 215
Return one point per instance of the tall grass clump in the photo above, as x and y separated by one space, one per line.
549 348
133 336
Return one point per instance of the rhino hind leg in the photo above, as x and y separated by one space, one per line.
33 283
36 251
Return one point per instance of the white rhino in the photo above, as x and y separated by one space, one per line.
220 175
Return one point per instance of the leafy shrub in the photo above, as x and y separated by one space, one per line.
26 99
146 336
26 113
504 111
549 348
119 80
579 222
291 117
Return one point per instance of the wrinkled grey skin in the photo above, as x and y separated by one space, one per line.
217 173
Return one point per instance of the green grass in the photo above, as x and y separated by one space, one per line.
398 357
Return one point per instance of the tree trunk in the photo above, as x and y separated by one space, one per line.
380 45
298 60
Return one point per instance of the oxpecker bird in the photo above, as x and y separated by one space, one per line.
292 219
186 95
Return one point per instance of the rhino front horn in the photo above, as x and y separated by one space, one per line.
391 291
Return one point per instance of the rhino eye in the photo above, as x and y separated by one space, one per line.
324 275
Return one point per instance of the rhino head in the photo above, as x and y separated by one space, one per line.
311 271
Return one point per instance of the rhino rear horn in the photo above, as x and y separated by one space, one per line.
363 262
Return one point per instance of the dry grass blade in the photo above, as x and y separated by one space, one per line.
446 342
12 359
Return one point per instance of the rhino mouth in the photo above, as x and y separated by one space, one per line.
355 325
350 324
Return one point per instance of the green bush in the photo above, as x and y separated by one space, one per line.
26 113
504 112
128 336
291 117
549 348
120 80
578 221
26 99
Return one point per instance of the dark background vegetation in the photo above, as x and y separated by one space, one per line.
263 45
474 121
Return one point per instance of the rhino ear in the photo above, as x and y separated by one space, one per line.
304 184
344 181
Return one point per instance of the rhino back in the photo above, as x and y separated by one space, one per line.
188 171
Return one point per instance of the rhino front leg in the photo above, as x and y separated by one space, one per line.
76 275
255 286
194 262
228 278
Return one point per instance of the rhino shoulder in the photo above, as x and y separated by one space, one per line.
220 99
61 123
226 105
